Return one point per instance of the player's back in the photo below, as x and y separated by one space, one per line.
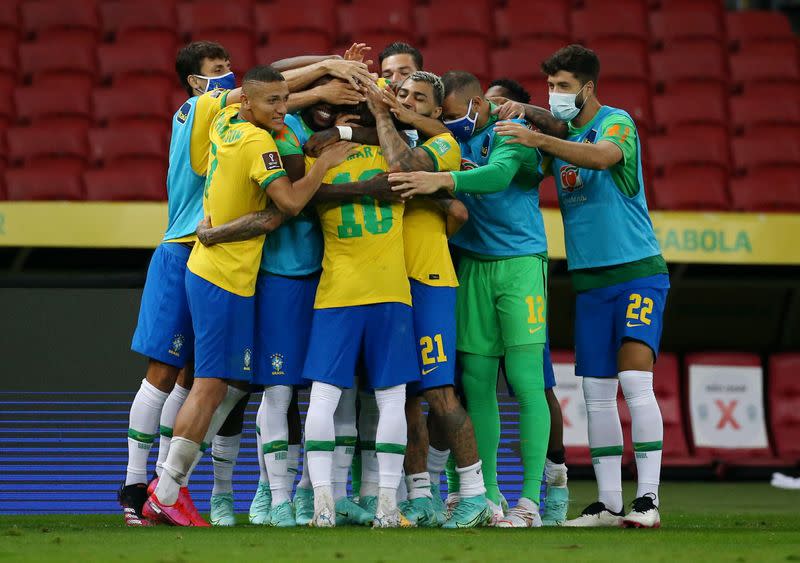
363 261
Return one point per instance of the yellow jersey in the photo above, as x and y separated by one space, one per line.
425 225
243 162
363 261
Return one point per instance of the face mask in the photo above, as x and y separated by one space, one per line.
463 127
225 82
563 106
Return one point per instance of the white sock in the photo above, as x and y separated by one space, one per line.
320 434
470 480
291 466
262 467
305 478
142 430
605 438
437 460
224 452
391 436
169 413
387 500
344 424
418 485
275 437
177 467
402 490
367 430
555 474
647 428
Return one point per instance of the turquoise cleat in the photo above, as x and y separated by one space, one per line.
222 510
282 516
470 512
369 503
261 505
555 507
439 509
349 513
304 506
421 512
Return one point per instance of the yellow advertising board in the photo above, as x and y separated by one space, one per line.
711 238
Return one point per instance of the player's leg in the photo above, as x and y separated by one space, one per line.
555 467
367 430
344 422
419 504
169 412
596 363
642 308
521 304
438 452
224 453
262 501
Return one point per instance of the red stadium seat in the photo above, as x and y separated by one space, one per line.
58 180
449 55
626 20
690 63
621 58
295 15
293 44
631 95
124 104
240 46
26 144
448 18
134 180
692 187
674 110
700 146
748 25
751 111
761 149
684 24
62 58
746 67
768 189
778 49
7 113
784 405
522 60
667 387
119 16
514 21
716 7
135 141
41 16
143 57
548 193
40 105
202 17
362 17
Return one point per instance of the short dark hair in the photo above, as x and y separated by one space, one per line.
190 60
516 91
458 81
262 73
578 60
436 84
400 48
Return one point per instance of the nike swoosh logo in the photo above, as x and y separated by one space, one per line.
632 325
427 371
415 479
534 330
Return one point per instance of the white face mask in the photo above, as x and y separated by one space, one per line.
562 105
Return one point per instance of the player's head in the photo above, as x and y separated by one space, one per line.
572 74
321 115
265 95
423 93
203 66
510 89
398 61
464 108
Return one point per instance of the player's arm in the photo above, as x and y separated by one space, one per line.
322 139
399 156
377 187
354 72
539 117
456 213
302 61
246 227
426 126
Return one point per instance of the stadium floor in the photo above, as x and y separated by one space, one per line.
702 522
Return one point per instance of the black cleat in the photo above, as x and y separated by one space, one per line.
131 498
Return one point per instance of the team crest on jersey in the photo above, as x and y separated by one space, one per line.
570 178
248 358
467 164
177 344
183 113
276 361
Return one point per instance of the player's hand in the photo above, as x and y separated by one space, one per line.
381 189
335 154
337 92
419 183
357 52
401 112
348 120
356 73
321 140
519 134
202 230
509 110
375 100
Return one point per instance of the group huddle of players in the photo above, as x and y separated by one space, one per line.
356 233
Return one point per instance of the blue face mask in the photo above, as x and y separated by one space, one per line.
225 82
463 127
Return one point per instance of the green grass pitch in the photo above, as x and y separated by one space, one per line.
705 522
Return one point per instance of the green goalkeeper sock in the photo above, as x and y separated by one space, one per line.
524 373
453 481
480 387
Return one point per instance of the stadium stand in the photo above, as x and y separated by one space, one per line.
784 406
691 187
56 181
512 22
122 16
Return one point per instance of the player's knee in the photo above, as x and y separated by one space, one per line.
391 398
443 400
600 393
186 376
162 376
278 397
637 387
635 355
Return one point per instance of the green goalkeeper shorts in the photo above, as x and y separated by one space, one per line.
501 303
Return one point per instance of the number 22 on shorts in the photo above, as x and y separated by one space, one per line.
638 310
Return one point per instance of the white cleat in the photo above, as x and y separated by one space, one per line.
596 515
643 514
324 510
497 512
392 519
450 503
524 515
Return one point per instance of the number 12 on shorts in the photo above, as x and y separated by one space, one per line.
536 312
638 310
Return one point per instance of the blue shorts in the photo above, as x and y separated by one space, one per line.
381 335
284 310
223 327
164 330
435 334
607 316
